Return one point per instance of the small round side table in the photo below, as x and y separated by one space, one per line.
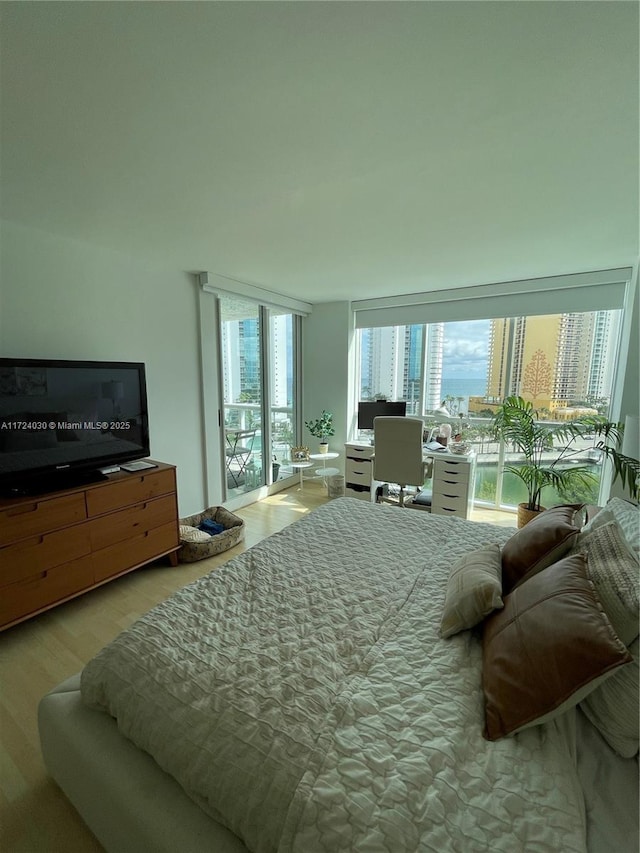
325 472
300 466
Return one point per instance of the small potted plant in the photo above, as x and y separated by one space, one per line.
322 428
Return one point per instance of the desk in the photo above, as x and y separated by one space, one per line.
453 480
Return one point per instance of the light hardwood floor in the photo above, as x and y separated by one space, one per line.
35 817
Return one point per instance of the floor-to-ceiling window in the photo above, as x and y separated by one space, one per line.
563 363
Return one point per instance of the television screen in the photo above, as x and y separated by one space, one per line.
367 411
59 418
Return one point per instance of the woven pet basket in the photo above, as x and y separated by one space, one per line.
233 533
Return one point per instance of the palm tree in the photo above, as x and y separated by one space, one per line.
516 423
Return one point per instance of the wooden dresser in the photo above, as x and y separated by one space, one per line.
56 546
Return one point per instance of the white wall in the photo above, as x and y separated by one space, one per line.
327 335
65 299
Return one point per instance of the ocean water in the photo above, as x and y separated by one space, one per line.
465 388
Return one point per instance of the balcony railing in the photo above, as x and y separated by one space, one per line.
244 416
502 489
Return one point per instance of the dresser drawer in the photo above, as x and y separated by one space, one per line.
359 452
443 505
445 469
451 488
131 490
358 466
134 551
36 517
32 556
129 522
351 490
20 599
360 478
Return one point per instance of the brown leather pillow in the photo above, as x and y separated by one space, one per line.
540 543
549 647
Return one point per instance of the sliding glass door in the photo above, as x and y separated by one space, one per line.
242 387
258 347
282 349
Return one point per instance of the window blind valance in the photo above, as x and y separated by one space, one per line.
592 291
223 285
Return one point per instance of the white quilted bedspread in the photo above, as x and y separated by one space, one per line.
301 695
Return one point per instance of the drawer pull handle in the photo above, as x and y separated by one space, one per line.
23 510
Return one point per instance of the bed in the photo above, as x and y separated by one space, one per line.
302 698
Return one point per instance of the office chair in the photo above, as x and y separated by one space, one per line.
397 454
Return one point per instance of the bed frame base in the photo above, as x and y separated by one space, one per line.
125 799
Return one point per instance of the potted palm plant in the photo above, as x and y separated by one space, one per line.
322 428
548 448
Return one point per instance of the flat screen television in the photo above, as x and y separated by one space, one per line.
62 421
367 411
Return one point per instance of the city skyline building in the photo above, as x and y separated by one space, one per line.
606 333
434 352
555 361
241 360
281 362
403 363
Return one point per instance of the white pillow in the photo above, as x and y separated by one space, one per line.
615 574
626 515
192 534
613 707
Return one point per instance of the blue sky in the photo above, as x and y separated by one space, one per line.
464 368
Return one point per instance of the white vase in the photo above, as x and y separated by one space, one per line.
324 447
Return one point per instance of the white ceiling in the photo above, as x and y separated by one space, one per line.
328 150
